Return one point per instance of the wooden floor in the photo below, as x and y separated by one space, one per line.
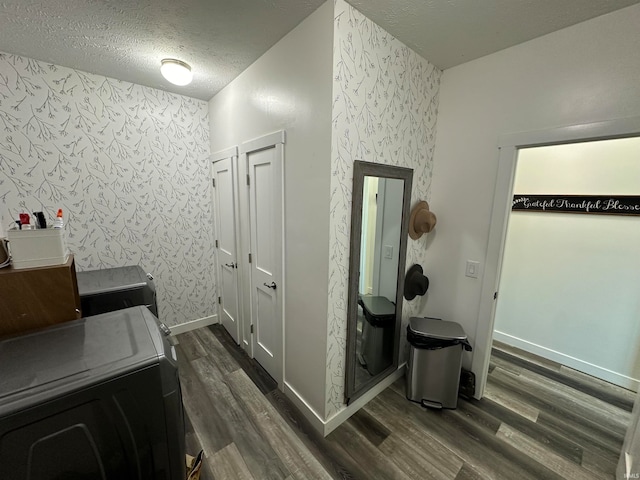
538 420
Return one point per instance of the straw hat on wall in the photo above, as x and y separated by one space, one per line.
422 220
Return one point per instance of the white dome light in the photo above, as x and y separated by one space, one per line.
176 71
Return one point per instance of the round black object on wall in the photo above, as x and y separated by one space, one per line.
415 283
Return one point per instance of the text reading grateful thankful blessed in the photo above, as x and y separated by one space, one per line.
597 204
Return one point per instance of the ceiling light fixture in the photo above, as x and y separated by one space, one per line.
176 71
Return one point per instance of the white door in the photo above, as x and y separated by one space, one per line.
629 463
265 211
224 199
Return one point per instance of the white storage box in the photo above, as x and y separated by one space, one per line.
37 248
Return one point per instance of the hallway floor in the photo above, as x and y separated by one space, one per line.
538 420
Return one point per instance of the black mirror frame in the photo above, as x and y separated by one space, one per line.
360 170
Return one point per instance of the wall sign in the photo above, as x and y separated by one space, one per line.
594 204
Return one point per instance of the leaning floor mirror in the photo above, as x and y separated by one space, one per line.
379 232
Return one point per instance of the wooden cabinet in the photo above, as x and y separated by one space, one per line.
32 298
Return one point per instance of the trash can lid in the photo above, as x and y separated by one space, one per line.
378 311
436 328
378 306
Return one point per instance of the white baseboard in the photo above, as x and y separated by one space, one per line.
325 427
589 368
193 324
341 416
309 413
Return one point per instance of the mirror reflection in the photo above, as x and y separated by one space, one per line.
382 200
379 233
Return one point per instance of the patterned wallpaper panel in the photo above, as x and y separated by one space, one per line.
385 101
127 163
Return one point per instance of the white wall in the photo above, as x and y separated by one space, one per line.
390 198
585 73
370 215
289 88
569 283
128 165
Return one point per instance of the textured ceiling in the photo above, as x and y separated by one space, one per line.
126 39
451 32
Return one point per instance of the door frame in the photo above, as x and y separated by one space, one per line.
232 154
275 140
508 146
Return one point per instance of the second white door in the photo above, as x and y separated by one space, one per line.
265 211
224 176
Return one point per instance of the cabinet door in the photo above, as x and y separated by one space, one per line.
34 298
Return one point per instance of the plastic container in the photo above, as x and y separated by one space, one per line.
37 248
435 361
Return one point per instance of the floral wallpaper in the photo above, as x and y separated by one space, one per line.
128 165
385 101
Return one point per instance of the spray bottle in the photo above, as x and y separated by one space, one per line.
58 222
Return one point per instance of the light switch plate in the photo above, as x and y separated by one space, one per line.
388 251
472 269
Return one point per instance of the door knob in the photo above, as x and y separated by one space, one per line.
231 265
273 285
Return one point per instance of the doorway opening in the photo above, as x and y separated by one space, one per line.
511 147
569 280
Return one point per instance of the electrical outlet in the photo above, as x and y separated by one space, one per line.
472 269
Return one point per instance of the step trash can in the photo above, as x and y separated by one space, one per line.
435 361
378 332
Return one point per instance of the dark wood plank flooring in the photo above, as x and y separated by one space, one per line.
538 420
